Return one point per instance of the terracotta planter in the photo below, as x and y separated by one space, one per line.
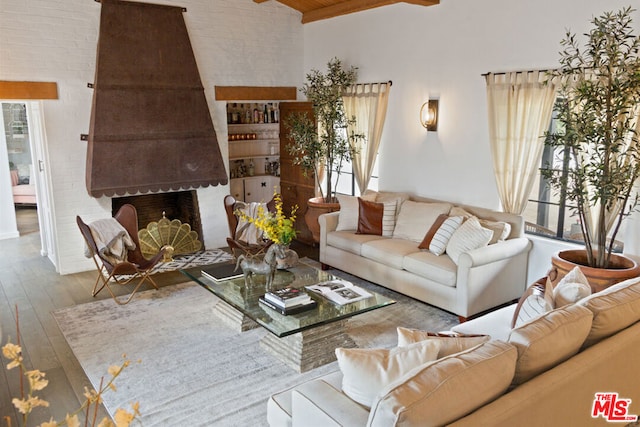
620 268
316 207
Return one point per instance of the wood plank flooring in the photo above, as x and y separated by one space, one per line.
30 282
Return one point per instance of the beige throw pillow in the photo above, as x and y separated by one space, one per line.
469 236
367 371
440 392
450 342
549 340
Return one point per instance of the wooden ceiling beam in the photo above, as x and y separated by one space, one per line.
28 90
255 93
311 12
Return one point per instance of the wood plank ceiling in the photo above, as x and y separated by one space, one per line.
315 10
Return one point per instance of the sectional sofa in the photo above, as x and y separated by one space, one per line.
574 365
478 275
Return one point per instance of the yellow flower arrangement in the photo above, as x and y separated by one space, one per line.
276 226
36 381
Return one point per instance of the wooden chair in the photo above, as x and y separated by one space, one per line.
135 267
236 245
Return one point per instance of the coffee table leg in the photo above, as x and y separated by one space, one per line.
233 318
311 348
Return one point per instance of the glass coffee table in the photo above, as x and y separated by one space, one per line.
304 340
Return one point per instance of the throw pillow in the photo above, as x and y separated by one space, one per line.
348 214
536 300
376 218
500 230
469 236
432 231
415 218
443 391
571 288
549 340
613 308
441 238
367 371
450 342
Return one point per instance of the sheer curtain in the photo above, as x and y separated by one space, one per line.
520 106
368 104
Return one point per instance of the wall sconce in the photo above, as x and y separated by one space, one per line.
429 115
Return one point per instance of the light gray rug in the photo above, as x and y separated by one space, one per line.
194 370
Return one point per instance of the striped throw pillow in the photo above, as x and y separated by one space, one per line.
441 238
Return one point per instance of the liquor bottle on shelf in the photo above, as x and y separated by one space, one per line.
256 114
266 113
251 170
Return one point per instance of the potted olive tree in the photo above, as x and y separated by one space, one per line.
597 107
323 143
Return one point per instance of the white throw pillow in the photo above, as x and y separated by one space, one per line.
450 342
348 215
415 219
367 371
469 236
441 392
536 301
571 288
438 244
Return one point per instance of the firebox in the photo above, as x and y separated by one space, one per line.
181 205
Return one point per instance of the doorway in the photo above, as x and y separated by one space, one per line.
26 157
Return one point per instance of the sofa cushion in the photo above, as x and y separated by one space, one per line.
549 340
440 392
388 196
376 218
571 288
441 238
496 323
350 241
349 210
415 219
450 342
440 269
469 236
536 300
613 308
366 371
389 252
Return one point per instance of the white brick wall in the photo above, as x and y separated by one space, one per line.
236 42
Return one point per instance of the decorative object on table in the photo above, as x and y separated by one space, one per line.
221 272
173 236
323 143
598 109
278 228
255 265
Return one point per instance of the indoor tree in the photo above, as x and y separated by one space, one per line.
598 110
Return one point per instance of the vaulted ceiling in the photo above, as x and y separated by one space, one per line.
315 10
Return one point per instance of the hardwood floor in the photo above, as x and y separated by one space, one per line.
30 282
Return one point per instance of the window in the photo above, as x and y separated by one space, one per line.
347 183
547 212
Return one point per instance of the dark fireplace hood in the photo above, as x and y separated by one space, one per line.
151 129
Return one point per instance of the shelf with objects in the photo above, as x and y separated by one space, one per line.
254 150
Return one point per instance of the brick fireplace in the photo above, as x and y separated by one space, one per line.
181 205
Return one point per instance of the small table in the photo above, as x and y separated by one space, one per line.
303 341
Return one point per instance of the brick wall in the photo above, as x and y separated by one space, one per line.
236 42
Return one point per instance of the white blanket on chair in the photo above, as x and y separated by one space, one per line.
246 231
112 239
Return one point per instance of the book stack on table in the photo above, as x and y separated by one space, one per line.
288 300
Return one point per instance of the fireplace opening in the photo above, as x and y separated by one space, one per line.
180 205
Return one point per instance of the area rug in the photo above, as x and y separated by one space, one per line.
194 370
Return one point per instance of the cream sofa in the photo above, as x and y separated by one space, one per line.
482 278
555 363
